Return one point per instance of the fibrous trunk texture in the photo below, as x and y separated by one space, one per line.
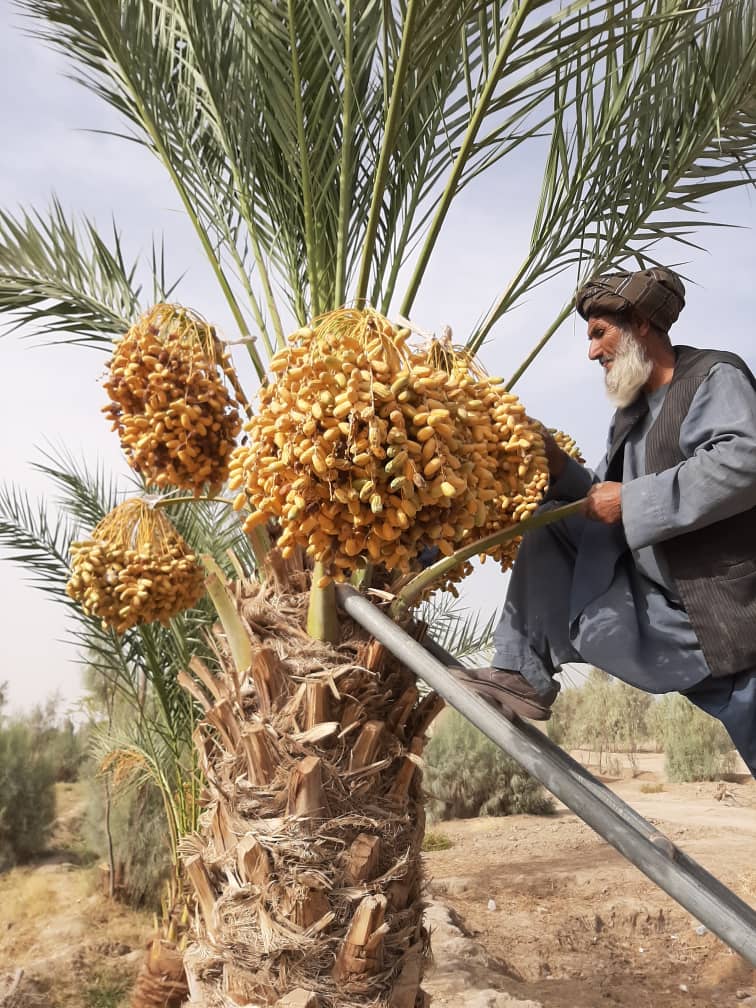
307 867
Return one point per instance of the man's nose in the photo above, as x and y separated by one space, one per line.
594 349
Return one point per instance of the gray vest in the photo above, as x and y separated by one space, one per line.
714 567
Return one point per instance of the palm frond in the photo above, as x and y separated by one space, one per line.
142 664
134 756
310 140
215 529
84 494
65 280
39 543
135 56
666 121
466 635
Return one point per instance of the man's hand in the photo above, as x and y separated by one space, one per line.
604 503
556 458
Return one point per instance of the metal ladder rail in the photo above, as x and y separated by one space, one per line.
699 892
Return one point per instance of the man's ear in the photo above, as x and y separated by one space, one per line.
643 329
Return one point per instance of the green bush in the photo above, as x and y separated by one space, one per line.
433 841
606 716
468 776
696 745
27 794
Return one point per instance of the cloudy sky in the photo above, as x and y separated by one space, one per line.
52 396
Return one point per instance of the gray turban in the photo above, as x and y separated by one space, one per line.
656 294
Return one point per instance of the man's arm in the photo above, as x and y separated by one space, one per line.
717 481
569 480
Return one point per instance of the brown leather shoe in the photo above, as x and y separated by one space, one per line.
508 691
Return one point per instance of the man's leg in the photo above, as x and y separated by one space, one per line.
532 637
732 700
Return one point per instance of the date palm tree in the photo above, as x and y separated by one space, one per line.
317 148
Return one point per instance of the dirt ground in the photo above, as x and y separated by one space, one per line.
63 943
574 924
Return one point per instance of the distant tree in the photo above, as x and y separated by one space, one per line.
64 743
696 746
561 726
27 794
604 716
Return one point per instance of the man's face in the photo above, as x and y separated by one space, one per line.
620 349
604 338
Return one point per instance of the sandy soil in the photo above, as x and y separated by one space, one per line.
577 926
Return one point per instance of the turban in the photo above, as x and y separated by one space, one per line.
656 294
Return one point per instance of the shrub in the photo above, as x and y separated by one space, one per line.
467 776
66 745
696 746
652 788
433 841
27 794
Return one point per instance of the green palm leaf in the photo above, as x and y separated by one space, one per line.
671 123
28 536
468 636
314 145
143 662
65 280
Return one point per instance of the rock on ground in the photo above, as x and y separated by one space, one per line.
462 974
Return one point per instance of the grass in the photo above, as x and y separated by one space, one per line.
652 787
105 994
434 841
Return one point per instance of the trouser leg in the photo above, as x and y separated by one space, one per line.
532 636
732 700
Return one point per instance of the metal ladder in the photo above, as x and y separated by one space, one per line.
694 888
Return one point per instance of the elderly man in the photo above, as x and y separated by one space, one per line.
656 582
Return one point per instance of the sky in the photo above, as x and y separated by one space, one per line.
52 394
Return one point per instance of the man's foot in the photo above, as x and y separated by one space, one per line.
508 691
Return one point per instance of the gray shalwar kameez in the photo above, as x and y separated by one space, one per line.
586 591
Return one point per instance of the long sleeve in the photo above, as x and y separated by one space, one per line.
574 483
717 478
576 479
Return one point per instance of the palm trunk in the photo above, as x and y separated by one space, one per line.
307 865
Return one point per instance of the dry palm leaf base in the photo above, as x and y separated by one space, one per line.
161 982
307 865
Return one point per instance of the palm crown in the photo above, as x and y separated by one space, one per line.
317 147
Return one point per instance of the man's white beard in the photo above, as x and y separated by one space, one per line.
629 372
